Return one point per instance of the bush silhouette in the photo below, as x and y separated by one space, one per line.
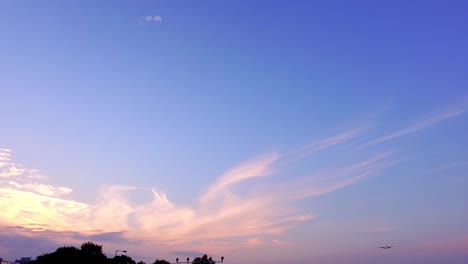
161 261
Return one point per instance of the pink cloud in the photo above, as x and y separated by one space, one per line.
256 168
280 242
221 213
254 241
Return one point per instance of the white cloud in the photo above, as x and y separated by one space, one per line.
149 19
152 19
7 168
39 188
158 19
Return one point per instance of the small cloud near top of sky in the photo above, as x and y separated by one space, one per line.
152 19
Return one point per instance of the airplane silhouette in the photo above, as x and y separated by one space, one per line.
386 247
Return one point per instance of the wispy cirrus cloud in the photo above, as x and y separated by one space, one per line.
418 126
454 165
333 179
257 213
255 168
316 146
26 202
44 189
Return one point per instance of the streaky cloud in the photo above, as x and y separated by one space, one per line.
39 188
418 126
322 144
333 179
256 168
221 213
113 212
454 165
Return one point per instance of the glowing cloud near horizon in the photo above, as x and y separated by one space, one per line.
27 202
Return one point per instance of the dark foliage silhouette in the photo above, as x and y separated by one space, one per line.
123 259
161 261
70 255
203 260
91 253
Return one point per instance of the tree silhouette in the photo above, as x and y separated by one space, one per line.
92 253
123 259
91 249
203 260
161 261
70 255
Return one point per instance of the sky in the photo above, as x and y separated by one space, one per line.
262 131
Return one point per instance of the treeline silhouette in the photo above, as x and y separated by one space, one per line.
91 253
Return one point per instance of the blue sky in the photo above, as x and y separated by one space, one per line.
309 129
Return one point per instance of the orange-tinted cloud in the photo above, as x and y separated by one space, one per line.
263 209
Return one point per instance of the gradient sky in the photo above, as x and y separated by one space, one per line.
270 131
